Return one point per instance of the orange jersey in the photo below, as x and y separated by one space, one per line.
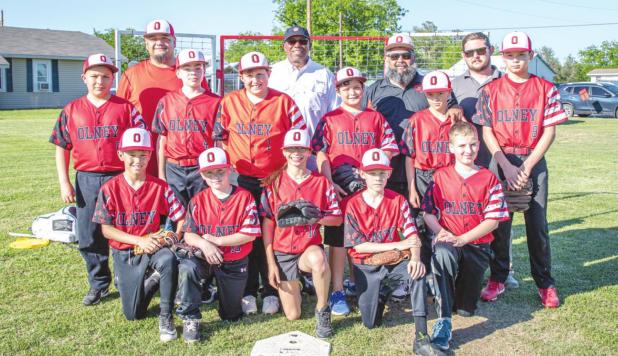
362 223
186 123
316 189
345 136
237 213
425 140
253 134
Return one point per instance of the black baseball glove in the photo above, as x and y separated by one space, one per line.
298 212
346 176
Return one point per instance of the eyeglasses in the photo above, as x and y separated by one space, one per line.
396 56
293 41
480 51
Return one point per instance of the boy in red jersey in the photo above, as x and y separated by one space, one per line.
341 137
519 113
89 129
462 205
131 206
378 220
290 250
222 221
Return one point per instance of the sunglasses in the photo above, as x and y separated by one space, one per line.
294 41
480 51
396 56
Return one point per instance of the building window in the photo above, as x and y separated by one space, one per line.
42 75
2 79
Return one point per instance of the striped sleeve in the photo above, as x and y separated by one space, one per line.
320 141
265 208
60 134
102 212
136 118
296 118
429 205
496 208
408 229
175 209
484 114
553 114
388 138
251 222
333 203
406 145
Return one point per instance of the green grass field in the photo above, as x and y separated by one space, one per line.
41 290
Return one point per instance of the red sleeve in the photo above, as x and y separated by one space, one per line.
103 214
158 124
429 204
495 205
60 134
267 203
321 137
175 210
190 224
250 220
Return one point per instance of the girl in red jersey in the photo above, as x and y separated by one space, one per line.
222 220
298 248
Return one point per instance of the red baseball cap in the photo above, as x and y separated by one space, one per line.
136 139
375 158
516 41
436 81
253 60
213 158
159 26
349 73
98 59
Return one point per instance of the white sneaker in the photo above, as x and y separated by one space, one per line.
249 305
270 305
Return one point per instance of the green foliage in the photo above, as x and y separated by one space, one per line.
595 57
569 71
435 52
132 48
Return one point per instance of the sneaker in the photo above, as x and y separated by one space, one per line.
323 328
464 313
249 305
422 346
401 292
549 297
167 330
350 288
492 291
338 304
511 282
441 334
151 286
94 296
191 330
270 305
209 294
307 283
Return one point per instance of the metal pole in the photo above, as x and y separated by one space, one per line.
340 41
118 55
309 16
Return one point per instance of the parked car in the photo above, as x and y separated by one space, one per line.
587 98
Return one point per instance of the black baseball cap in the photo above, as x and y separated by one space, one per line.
296 31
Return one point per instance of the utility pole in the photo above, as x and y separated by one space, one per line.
340 41
309 16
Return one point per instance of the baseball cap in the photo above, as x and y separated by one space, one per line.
159 26
399 40
98 59
297 138
136 139
213 158
436 81
516 41
187 56
349 73
296 31
375 158
253 60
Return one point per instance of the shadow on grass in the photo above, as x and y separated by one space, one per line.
571 195
572 121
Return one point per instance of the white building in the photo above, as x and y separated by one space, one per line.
604 75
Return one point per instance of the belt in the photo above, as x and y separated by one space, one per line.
187 162
517 150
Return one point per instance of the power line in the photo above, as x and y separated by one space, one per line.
578 6
508 10
533 27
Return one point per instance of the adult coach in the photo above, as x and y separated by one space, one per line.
398 96
310 84
149 80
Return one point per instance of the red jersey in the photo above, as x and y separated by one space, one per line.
389 222
518 112
316 189
93 134
425 140
136 212
253 134
345 136
463 203
187 124
237 213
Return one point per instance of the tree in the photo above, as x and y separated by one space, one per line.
132 47
593 57
569 71
549 56
437 52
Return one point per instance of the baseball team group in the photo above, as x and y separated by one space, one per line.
412 166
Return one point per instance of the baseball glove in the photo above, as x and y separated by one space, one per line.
518 200
391 257
298 212
346 176
163 238
183 250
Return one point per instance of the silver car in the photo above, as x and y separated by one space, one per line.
587 98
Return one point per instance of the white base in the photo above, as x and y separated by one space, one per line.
292 343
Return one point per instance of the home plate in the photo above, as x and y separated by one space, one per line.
292 343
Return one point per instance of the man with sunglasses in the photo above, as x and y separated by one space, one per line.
310 84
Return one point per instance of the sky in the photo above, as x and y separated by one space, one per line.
232 17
